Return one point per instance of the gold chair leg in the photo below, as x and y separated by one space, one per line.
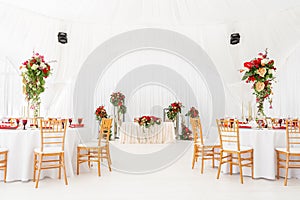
230 163
202 160
39 171
77 163
252 166
34 166
286 169
277 164
59 169
194 157
5 169
241 168
64 168
220 164
213 158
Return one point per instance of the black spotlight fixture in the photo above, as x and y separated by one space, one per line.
62 37
235 38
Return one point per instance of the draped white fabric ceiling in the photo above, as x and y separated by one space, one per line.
33 25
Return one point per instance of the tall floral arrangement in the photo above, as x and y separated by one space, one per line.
173 110
118 100
100 113
193 113
260 73
34 71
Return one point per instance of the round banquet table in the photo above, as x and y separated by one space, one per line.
21 144
264 142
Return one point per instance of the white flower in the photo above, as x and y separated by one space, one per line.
34 66
43 65
271 71
264 61
23 69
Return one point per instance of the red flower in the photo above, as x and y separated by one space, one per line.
248 65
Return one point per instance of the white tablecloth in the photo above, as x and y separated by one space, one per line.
21 144
264 143
132 133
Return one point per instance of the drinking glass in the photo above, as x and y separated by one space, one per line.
24 122
70 121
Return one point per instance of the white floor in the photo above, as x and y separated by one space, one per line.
178 181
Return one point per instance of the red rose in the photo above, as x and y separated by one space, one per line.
248 65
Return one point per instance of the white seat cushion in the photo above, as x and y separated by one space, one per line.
292 150
89 144
234 148
2 149
207 143
49 150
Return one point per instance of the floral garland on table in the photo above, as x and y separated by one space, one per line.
148 121
100 113
173 110
118 100
34 71
193 113
260 73
186 133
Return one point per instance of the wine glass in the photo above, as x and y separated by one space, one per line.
24 122
70 121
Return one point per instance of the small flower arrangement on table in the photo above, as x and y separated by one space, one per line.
186 133
100 113
193 113
148 121
173 110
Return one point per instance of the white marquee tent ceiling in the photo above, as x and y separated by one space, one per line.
168 11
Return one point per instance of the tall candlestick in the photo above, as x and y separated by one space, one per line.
249 111
243 111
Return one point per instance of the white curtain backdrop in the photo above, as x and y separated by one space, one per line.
26 26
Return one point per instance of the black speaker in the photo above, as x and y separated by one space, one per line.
62 37
235 38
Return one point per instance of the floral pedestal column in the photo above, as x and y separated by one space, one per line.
176 127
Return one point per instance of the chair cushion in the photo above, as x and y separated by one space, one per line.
207 143
234 148
3 149
89 144
49 150
292 150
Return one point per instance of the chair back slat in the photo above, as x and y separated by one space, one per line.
105 130
292 133
53 133
229 133
197 130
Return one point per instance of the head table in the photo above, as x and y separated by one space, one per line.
132 133
21 144
263 141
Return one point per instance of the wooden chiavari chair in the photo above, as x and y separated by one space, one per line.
52 146
201 148
231 151
3 162
96 151
291 153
